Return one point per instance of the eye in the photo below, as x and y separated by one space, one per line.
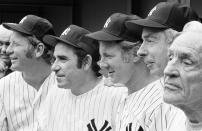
187 61
63 58
149 41
7 43
170 56
52 60
1 43
108 56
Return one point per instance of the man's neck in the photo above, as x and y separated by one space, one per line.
139 80
194 115
36 75
88 83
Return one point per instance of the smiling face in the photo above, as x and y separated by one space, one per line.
183 74
119 67
21 52
154 50
65 66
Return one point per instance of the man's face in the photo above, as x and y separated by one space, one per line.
21 52
4 43
154 50
65 66
113 61
183 74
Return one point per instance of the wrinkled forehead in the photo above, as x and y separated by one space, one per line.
108 45
152 33
17 37
188 40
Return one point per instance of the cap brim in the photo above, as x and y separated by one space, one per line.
103 36
145 23
16 27
53 40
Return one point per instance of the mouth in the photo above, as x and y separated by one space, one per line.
149 64
110 73
13 59
172 86
4 56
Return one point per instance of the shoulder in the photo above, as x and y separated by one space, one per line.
10 80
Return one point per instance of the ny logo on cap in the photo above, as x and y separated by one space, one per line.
23 19
66 31
151 12
107 22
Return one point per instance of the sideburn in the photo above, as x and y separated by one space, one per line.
30 52
126 56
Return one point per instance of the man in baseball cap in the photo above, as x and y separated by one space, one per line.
160 28
118 48
32 78
86 103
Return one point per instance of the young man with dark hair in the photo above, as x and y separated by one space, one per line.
86 104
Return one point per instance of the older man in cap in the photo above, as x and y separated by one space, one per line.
23 91
160 28
4 58
183 78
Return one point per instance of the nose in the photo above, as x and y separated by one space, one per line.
9 50
3 49
55 67
171 70
102 64
142 51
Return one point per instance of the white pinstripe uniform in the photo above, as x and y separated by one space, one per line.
138 104
20 102
170 118
160 116
91 111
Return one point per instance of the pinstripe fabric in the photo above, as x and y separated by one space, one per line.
20 102
90 111
176 120
136 104
161 116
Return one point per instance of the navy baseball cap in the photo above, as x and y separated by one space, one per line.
166 15
114 29
74 36
32 25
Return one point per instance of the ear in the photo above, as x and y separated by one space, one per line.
39 50
87 62
136 59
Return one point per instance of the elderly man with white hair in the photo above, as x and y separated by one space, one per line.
4 58
183 78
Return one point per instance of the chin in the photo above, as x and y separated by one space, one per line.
60 85
13 68
172 100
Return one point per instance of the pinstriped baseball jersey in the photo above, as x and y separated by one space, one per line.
160 116
148 98
20 102
91 111
170 118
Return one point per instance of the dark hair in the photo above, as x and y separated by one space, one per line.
48 50
81 54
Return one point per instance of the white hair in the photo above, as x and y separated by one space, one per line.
170 35
193 26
